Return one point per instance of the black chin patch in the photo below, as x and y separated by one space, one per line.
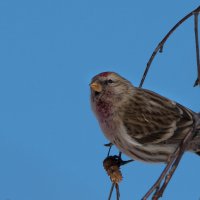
96 93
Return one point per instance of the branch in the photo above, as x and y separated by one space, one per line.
197 82
161 44
170 168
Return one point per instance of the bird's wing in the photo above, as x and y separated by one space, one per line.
150 118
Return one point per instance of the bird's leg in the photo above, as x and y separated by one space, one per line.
123 162
110 146
173 163
120 155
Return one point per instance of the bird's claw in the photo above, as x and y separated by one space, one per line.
108 144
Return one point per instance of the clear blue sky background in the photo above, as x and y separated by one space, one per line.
51 147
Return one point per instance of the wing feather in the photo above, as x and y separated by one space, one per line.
150 118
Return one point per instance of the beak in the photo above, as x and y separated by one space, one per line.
96 87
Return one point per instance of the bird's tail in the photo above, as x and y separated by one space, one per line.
194 144
197 135
198 124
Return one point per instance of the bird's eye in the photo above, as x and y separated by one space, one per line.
108 81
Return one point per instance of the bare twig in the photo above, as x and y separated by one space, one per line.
161 44
156 185
111 191
183 147
173 164
197 82
117 191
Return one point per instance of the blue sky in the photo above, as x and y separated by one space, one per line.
51 147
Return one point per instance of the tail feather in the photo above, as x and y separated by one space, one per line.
194 144
197 138
198 124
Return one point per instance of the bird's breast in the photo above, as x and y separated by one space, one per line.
103 109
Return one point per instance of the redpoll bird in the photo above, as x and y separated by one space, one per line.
139 122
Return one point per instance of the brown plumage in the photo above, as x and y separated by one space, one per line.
141 123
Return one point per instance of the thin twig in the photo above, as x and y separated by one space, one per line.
156 185
197 82
183 147
111 191
174 161
117 191
161 44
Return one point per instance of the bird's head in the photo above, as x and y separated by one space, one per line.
109 86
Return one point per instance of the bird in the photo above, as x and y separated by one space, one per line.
141 123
